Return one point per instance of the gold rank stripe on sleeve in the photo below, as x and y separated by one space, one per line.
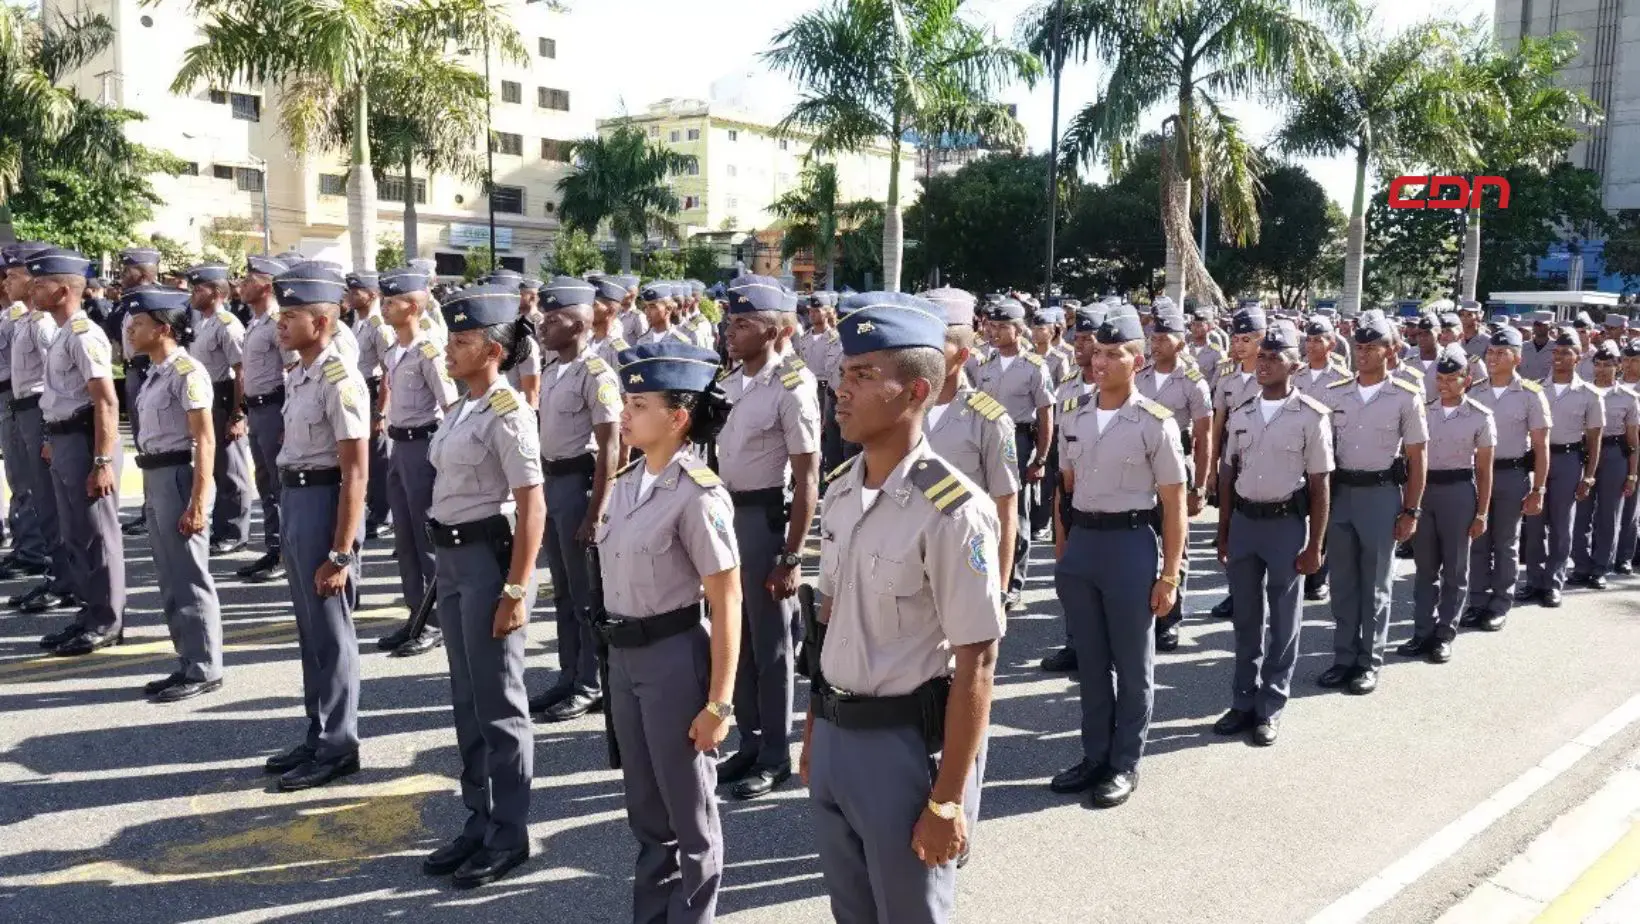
80 325
704 477
429 350
939 484
986 406
503 401
619 344
184 365
597 366
335 370
1408 386
1070 377
1192 373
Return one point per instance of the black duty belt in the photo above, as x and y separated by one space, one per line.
1518 463
148 460
277 396
374 382
1621 442
454 535
1450 475
620 632
138 364
1122 519
78 422
1029 428
584 464
25 403
1296 506
1359 479
412 434
762 497
1560 449
310 477
922 708
5 385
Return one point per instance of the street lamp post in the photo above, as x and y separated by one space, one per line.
267 229
1058 64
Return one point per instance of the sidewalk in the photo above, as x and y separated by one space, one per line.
1585 867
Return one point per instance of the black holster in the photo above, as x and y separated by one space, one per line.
814 633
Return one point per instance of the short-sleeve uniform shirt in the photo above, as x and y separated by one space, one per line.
1272 458
324 403
78 354
264 363
575 397
481 457
1369 435
1120 468
775 415
1622 409
1516 412
173 388
1022 387
419 386
30 341
975 435
1454 437
655 546
8 331
1182 391
375 337
1574 408
219 343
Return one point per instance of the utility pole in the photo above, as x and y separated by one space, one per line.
489 148
1058 63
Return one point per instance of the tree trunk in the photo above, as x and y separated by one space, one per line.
361 190
831 273
893 228
623 251
1192 275
412 242
1355 244
7 235
1472 253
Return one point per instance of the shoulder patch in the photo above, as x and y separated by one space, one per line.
629 466
1226 367
1071 405
1314 405
704 476
841 470
503 401
80 325
986 406
597 366
1032 358
184 365
1412 372
1070 377
429 350
1158 411
943 488
1531 385
618 343
1409 386
1341 383
335 369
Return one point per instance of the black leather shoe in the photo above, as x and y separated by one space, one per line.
41 598
86 641
137 527
1364 681
318 773
1168 639
1114 789
1336 676
1319 595
1079 778
1471 617
541 702
448 859
1623 567
1595 582
1234 722
761 781
428 639
267 568
379 531
1527 595
153 687
1012 602
1494 622
1550 598
1415 647
289 760
395 638
734 769
573 707
53 639
188 689
1266 732
1440 652
1062 661
17 566
487 866
1224 609
224 547
1577 579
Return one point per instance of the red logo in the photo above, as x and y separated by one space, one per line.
1469 193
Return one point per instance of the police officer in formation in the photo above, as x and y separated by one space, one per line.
606 340
30 552
1628 535
219 344
262 376
1577 416
176 447
486 516
375 338
1236 383
1595 529
139 266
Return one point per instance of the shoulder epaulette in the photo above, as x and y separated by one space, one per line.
335 369
793 363
17 311
184 365
1227 366
1531 385
1032 358
1314 405
1070 377
1477 405
1158 411
503 401
80 325
375 320
1073 404
429 350
1192 373
1409 386
943 488
1413 371
629 466
597 366
986 406
727 371
792 379
840 470
1342 382
832 335
704 476
618 343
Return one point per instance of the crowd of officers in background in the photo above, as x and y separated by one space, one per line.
668 471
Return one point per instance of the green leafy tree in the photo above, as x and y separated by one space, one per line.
94 215
1414 252
1299 233
662 264
321 55
813 214
574 254
390 251
984 225
622 179
174 255
1623 249
1547 208
700 261
870 71
480 259
228 238
1113 240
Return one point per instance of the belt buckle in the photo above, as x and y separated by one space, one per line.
455 536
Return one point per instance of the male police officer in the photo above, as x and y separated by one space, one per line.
1594 537
605 339
1236 383
219 344
30 544
375 338
262 372
1577 415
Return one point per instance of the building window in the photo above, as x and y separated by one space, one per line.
221 172
732 170
732 202
782 144
548 98
219 97
246 108
248 179
690 202
673 137
392 189
332 184
549 47
654 131
734 135
508 199
693 169
516 264
694 134
191 168
509 143
450 264
512 91
555 150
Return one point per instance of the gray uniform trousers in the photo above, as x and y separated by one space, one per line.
93 549
324 625
410 493
764 678
1627 533
1104 584
31 433
376 504
567 499
1264 579
655 692
1440 550
1494 558
1546 539
1361 546
868 788
27 541
1176 615
193 614
1594 530
134 377
267 426
231 518
1025 445
487 694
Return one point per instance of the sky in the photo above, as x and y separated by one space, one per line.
718 39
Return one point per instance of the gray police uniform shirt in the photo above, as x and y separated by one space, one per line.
419 386
1536 362
1573 408
633 324
1477 345
1273 459
656 335
1065 401
908 577
1454 438
698 328
1314 382
347 346
1058 364
31 338
1622 409
1208 358
529 365
1022 388
219 343
172 389
818 351
583 396
1182 391
375 337
482 456
1234 388
1119 470
655 546
78 354
8 332
975 435
1368 436
262 362
608 349
324 403
776 415
1520 409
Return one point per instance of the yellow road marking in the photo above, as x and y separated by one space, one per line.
1598 882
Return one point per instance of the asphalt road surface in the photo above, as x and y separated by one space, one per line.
113 809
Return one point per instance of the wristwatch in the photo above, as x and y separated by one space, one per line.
1411 512
100 461
339 559
946 810
513 591
721 710
788 559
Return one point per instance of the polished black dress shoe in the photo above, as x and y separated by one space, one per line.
225 547
53 639
396 638
1168 639
1364 681
1471 617
761 781
1062 661
1336 676
448 859
734 768
379 531
1494 622
1623 567
1318 595
1577 579
1114 789
289 760
1234 722
541 702
573 707
1415 647
1079 778
41 598
18 566
188 689
1527 595
153 687
1595 582
268 567
487 866
1550 598
1266 732
1224 609
421 643
318 773
86 641
1013 602
1440 652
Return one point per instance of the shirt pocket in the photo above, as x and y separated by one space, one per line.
897 584
1387 435
1136 475
567 399
464 455
309 415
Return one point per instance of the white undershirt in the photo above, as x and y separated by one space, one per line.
1498 392
745 383
1268 408
1367 391
1449 411
1005 361
646 481
1161 379
467 408
558 376
1315 375
1245 377
868 496
935 413
1560 389
1102 417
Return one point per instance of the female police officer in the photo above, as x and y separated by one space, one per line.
176 450
487 460
668 532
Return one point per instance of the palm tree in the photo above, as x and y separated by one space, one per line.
323 53
814 216
873 70
622 179
1192 56
1389 102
